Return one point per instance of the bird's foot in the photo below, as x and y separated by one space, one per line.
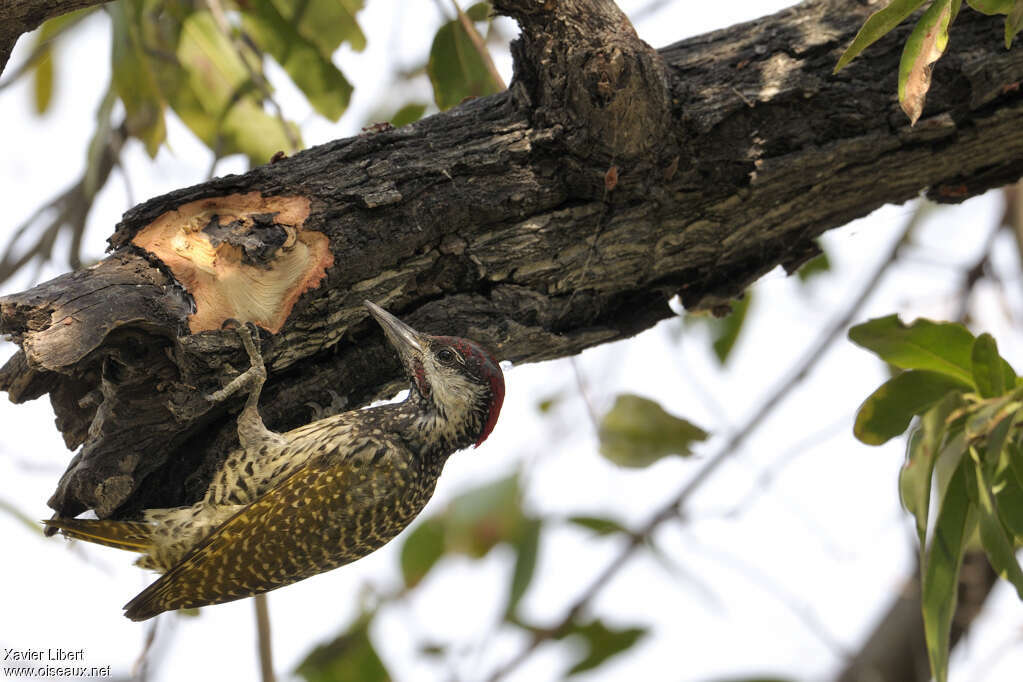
251 380
337 405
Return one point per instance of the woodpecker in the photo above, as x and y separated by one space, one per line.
287 506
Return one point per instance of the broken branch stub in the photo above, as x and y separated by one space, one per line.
580 66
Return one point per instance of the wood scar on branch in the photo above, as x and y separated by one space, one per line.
241 256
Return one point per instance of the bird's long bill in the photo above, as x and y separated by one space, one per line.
404 338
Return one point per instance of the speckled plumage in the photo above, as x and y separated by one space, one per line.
284 507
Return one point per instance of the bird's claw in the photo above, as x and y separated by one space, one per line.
337 405
251 379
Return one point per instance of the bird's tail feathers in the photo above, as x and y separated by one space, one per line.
134 536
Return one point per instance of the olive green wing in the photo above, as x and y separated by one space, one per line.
326 514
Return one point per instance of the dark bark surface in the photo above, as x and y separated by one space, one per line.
502 220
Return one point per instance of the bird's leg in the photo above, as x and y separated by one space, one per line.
252 432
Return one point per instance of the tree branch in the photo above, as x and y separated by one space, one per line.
22 16
497 220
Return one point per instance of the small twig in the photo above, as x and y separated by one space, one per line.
584 393
649 10
770 473
975 273
799 607
263 643
129 192
140 669
480 45
72 207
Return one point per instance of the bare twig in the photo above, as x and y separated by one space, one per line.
480 45
975 273
584 393
263 643
796 604
674 507
140 669
72 209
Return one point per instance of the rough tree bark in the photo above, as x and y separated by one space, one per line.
563 213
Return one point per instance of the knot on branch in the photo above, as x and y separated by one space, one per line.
580 66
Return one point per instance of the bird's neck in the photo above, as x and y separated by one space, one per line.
437 431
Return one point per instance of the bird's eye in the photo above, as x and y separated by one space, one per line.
446 356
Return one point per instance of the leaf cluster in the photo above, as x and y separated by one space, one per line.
963 476
927 41
206 63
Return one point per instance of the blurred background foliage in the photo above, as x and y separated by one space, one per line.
217 66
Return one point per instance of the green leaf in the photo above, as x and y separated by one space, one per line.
998 437
46 41
456 69
134 79
990 7
423 547
42 80
350 657
221 107
599 525
985 417
1013 23
216 71
1008 489
247 129
887 412
992 375
726 330
21 516
480 518
947 463
325 23
326 88
602 642
637 432
410 113
924 46
527 546
940 570
998 545
817 265
921 454
877 25
479 12
944 347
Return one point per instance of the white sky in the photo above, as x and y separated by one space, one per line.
826 542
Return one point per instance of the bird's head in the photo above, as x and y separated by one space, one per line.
457 378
